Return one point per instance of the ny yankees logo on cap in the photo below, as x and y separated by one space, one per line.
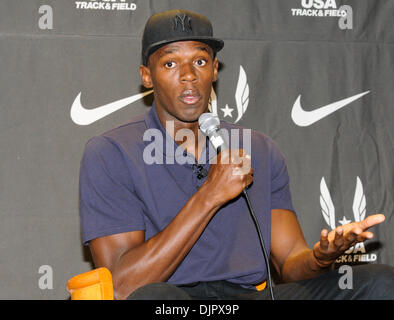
184 22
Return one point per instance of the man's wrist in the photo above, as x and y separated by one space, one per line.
319 264
209 197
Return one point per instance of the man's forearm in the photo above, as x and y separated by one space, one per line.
302 266
157 258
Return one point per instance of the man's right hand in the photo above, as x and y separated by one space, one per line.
229 174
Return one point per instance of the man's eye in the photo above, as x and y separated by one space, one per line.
201 62
170 64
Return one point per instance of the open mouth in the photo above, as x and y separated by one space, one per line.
190 96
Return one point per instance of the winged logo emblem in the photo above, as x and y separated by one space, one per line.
326 204
241 98
359 203
328 208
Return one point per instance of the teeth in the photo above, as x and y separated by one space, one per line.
188 92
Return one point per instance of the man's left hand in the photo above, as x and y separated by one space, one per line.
332 244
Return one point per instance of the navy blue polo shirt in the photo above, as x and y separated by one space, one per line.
121 191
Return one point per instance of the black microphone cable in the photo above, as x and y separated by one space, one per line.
266 259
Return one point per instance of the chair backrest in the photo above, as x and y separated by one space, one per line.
92 285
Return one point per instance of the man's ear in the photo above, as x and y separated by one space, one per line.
146 77
215 69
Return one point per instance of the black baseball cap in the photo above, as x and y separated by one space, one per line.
177 25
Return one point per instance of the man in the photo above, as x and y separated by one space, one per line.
180 228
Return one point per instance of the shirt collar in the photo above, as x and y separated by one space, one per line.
169 146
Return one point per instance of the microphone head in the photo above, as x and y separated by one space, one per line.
208 123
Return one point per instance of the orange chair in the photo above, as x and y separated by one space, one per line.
97 285
92 285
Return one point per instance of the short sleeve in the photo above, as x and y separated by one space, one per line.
108 204
280 188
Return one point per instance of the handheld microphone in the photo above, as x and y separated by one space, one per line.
210 126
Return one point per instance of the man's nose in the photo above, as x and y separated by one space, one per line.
188 73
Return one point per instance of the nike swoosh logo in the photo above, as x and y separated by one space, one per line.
304 118
84 117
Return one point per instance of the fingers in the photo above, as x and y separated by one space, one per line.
235 164
246 165
365 236
242 161
345 239
232 156
357 232
342 240
357 235
338 238
353 234
334 243
324 243
371 221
